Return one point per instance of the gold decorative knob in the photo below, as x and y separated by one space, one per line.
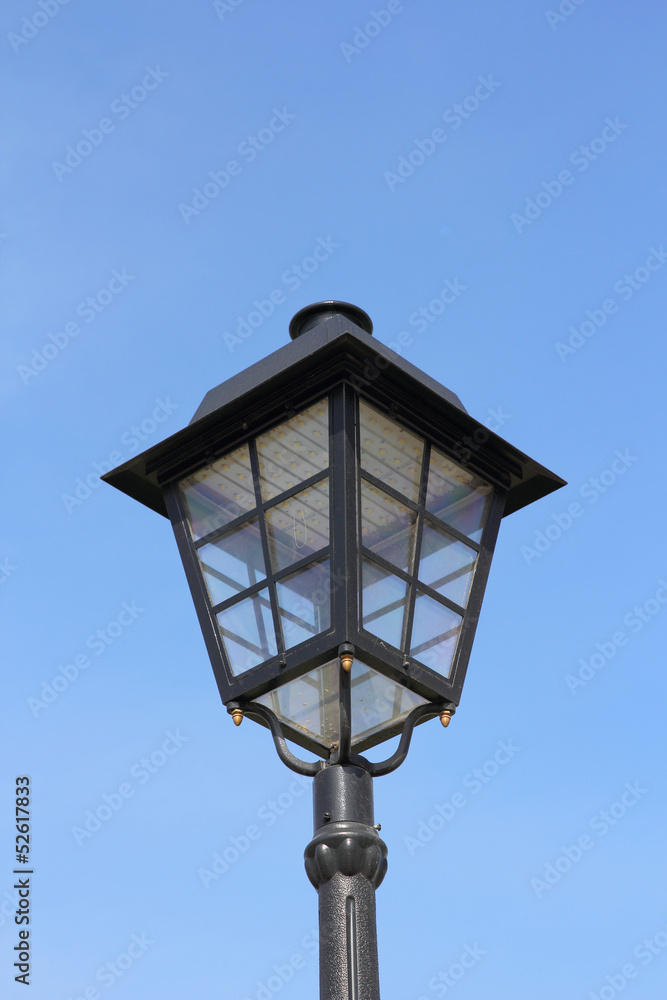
346 662
237 716
445 717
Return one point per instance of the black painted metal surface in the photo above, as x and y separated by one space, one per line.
324 312
346 861
339 360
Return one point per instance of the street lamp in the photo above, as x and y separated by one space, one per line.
336 511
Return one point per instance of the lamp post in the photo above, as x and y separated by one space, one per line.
336 511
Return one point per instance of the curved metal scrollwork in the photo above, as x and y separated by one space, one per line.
376 769
419 714
309 768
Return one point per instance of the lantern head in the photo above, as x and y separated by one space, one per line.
336 511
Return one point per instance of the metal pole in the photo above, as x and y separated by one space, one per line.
346 861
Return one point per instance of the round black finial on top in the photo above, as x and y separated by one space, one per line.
320 312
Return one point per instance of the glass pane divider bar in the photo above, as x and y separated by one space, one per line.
345 528
390 490
412 591
411 580
238 522
273 578
458 536
305 484
265 505
430 516
267 558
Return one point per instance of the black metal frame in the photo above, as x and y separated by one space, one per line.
339 360
422 676
343 753
345 555
257 513
282 665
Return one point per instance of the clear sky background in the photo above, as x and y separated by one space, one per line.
545 201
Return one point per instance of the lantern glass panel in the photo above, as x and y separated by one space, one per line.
248 633
383 599
435 631
310 703
389 452
446 564
304 603
377 702
388 526
233 562
294 450
216 495
299 527
456 496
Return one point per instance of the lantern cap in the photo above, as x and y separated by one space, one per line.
335 329
321 312
333 339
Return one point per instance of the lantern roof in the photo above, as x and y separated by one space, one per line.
332 340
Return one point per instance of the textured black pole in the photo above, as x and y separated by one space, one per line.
346 861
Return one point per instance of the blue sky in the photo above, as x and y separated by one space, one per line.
514 150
